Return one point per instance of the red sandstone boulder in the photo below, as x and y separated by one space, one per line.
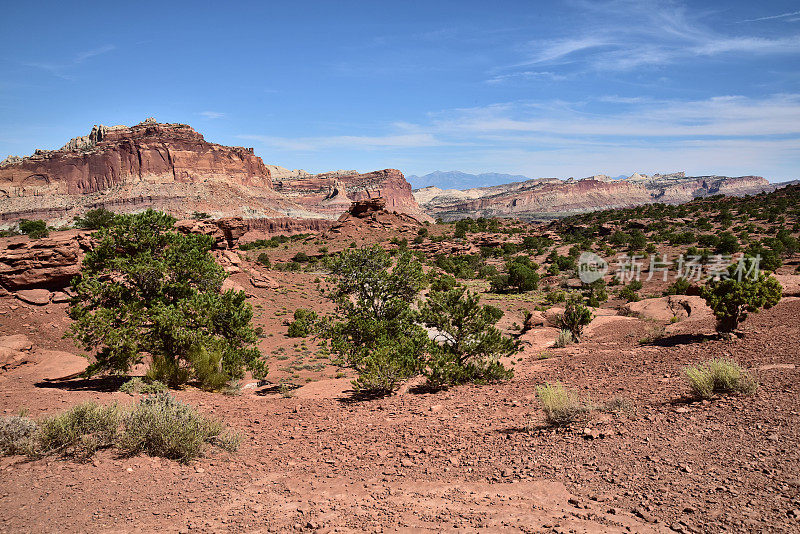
49 262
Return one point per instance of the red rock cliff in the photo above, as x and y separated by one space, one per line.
331 194
149 151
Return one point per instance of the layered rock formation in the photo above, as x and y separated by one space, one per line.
171 167
332 193
549 198
166 166
47 263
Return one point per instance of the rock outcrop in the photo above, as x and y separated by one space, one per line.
47 263
550 198
172 168
331 194
165 166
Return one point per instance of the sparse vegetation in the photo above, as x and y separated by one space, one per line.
34 229
564 339
160 425
561 405
575 317
467 346
731 298
719 376
146 289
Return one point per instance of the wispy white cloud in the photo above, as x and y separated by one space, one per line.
212 115
773 17
314 144
526 76
622 35
62 69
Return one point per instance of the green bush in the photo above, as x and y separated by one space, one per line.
263 259
145 289
575 317
732 299
467 346
77 433
629 294
161 425
303 324
679 287
561 406
95 219
300 257
719 376
206 363
33 229
374 330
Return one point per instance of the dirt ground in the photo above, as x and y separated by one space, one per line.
471 458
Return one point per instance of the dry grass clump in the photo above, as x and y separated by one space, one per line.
564 339
720 376
561 405
77 433
159 425
15 434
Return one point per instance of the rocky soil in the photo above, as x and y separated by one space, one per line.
314 458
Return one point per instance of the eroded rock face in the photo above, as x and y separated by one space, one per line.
47 263
164 166
549 198
331 194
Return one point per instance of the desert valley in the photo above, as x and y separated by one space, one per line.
621 396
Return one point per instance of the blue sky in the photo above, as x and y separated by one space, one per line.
536 88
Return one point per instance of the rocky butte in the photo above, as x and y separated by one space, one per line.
549 198
171 167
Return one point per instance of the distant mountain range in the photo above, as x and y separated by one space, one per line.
548 198
464 180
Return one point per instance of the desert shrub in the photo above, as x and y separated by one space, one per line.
522 274
629 294
33 229
595 293
444 282
146 289
679 287
16 432
732 299
303 324
561 406
727 243
374 330
637 240
263 259
137 385
575 317
719 376
564 339
168 371
160 425
206 362
77 433
300 257
554 296
460 265
467 346
95 219
487 272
